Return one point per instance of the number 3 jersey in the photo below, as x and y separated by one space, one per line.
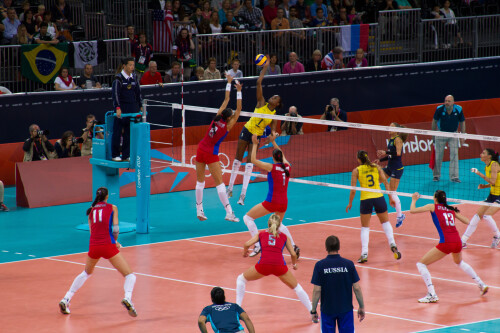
272 248
101 224
444 221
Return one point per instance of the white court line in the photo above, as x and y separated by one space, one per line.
228 288
359 266
474 322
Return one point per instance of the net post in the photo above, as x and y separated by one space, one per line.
183 111
144 109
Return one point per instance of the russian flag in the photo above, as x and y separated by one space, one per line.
354 37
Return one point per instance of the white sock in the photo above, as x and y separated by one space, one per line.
77 284
365 239
246 177
250 223
398 204
236 168
470 228
388 232
470 272
199 192
221 191
241 283
303 297
492 224
128 286
285 230
427 277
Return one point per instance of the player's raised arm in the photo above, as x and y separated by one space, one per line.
260 95
227 97
239 105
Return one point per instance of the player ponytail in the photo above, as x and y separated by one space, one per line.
218 296
278 157
493 154
363 158
403 136
225 115
274 223
100 195
441 199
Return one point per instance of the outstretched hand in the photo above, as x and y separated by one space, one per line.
229 78
415 196
238 85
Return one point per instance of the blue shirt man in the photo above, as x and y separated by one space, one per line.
223 316
334 279
11 24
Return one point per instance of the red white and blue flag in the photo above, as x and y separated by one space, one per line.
163 29
354 37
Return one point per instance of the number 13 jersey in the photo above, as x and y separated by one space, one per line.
444 221
272 248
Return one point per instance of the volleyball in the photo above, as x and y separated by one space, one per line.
260 59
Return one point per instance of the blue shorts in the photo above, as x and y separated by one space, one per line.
345 322
366 206
394 173
493 198
246 135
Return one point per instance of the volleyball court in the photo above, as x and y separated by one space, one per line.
174 278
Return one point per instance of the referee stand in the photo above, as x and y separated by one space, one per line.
106 173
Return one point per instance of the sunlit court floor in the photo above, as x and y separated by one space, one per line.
181 259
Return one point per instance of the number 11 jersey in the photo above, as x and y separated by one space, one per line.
444 221
101 224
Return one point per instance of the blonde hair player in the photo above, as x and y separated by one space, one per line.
276 201
254 126
271 262
369 176
491 170
104 230
443 217
208 152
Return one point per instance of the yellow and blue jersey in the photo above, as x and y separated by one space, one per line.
494 189
368 177
257 125
395 161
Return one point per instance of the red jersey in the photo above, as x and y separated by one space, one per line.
101 224
444 221
278 185
272 248
215 135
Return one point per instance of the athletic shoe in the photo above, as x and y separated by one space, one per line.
297 251
231 217
394 249
483 288
429 299
400 220
464 245
494 243
3 208
256 251
456 180
242 200
117 159
435 179
200 214
229 193
130 307
363 258
64 306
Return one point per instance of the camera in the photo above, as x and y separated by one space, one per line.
292 114
329 108
44 132
77 140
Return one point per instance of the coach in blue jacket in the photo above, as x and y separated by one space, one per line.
127 98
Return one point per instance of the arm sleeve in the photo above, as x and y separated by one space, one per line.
49 146
354 272
461 116
115 93
58 150
205 312
316 279
239 309
27 145
437 114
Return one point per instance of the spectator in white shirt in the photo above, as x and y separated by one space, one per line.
235 72
64 81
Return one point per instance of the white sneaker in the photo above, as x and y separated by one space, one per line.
242 200
400 220
130 307
256 251
64 306
429 299
229 193
363 258
494 243
231 217
117 159
200 214
483 288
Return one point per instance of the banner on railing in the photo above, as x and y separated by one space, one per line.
41 63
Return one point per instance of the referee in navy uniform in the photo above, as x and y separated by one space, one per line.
127 98
334 279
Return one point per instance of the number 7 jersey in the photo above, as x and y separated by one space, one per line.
444 221
101 224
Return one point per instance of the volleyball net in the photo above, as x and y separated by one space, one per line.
326 153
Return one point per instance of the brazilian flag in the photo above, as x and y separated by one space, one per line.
41 63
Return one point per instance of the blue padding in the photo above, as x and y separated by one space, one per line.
124 227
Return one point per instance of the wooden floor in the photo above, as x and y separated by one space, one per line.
174 280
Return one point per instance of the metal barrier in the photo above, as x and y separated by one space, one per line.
10 76
95 25
77 9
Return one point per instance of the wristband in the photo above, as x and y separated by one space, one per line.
314 312
228 87
239 95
